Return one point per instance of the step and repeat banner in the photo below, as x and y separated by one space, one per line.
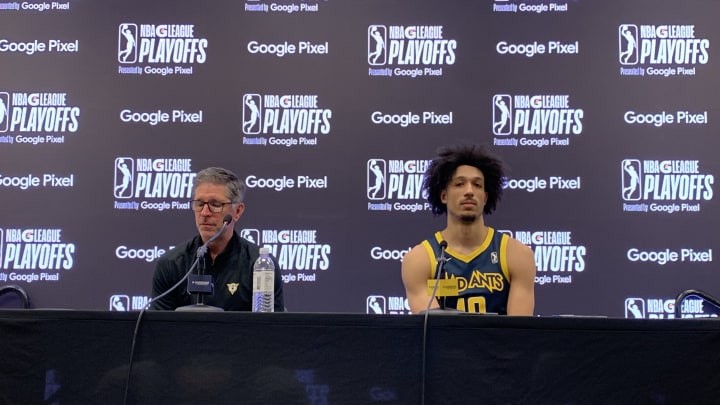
330 110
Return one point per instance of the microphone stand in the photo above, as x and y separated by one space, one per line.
440 271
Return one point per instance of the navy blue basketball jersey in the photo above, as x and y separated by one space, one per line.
482 276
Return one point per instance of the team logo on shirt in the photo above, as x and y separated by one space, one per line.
232 287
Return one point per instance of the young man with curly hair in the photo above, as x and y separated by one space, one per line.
494 272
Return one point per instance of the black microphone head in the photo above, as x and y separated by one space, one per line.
443 244
227 219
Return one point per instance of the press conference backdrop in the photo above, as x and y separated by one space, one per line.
330 110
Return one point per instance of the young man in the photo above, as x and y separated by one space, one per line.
494 272
229 260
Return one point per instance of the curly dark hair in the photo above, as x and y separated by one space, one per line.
442 168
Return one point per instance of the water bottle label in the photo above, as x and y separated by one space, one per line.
263 291
257 282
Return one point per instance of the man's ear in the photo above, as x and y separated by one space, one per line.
238 211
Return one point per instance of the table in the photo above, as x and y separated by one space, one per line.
82 357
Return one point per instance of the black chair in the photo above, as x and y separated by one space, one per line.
17 290
713 310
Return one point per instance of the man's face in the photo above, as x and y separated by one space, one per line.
208 222
465 194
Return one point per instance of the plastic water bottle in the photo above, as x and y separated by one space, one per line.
263 283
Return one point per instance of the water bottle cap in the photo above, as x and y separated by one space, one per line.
264 251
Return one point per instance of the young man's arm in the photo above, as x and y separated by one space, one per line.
521 264
415 274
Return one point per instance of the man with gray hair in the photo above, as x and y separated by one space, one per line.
217 193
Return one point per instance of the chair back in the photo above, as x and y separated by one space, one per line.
698 303
10 293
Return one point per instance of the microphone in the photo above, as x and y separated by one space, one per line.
443 246
201 284
439 270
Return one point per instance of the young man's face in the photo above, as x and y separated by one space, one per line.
465 194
